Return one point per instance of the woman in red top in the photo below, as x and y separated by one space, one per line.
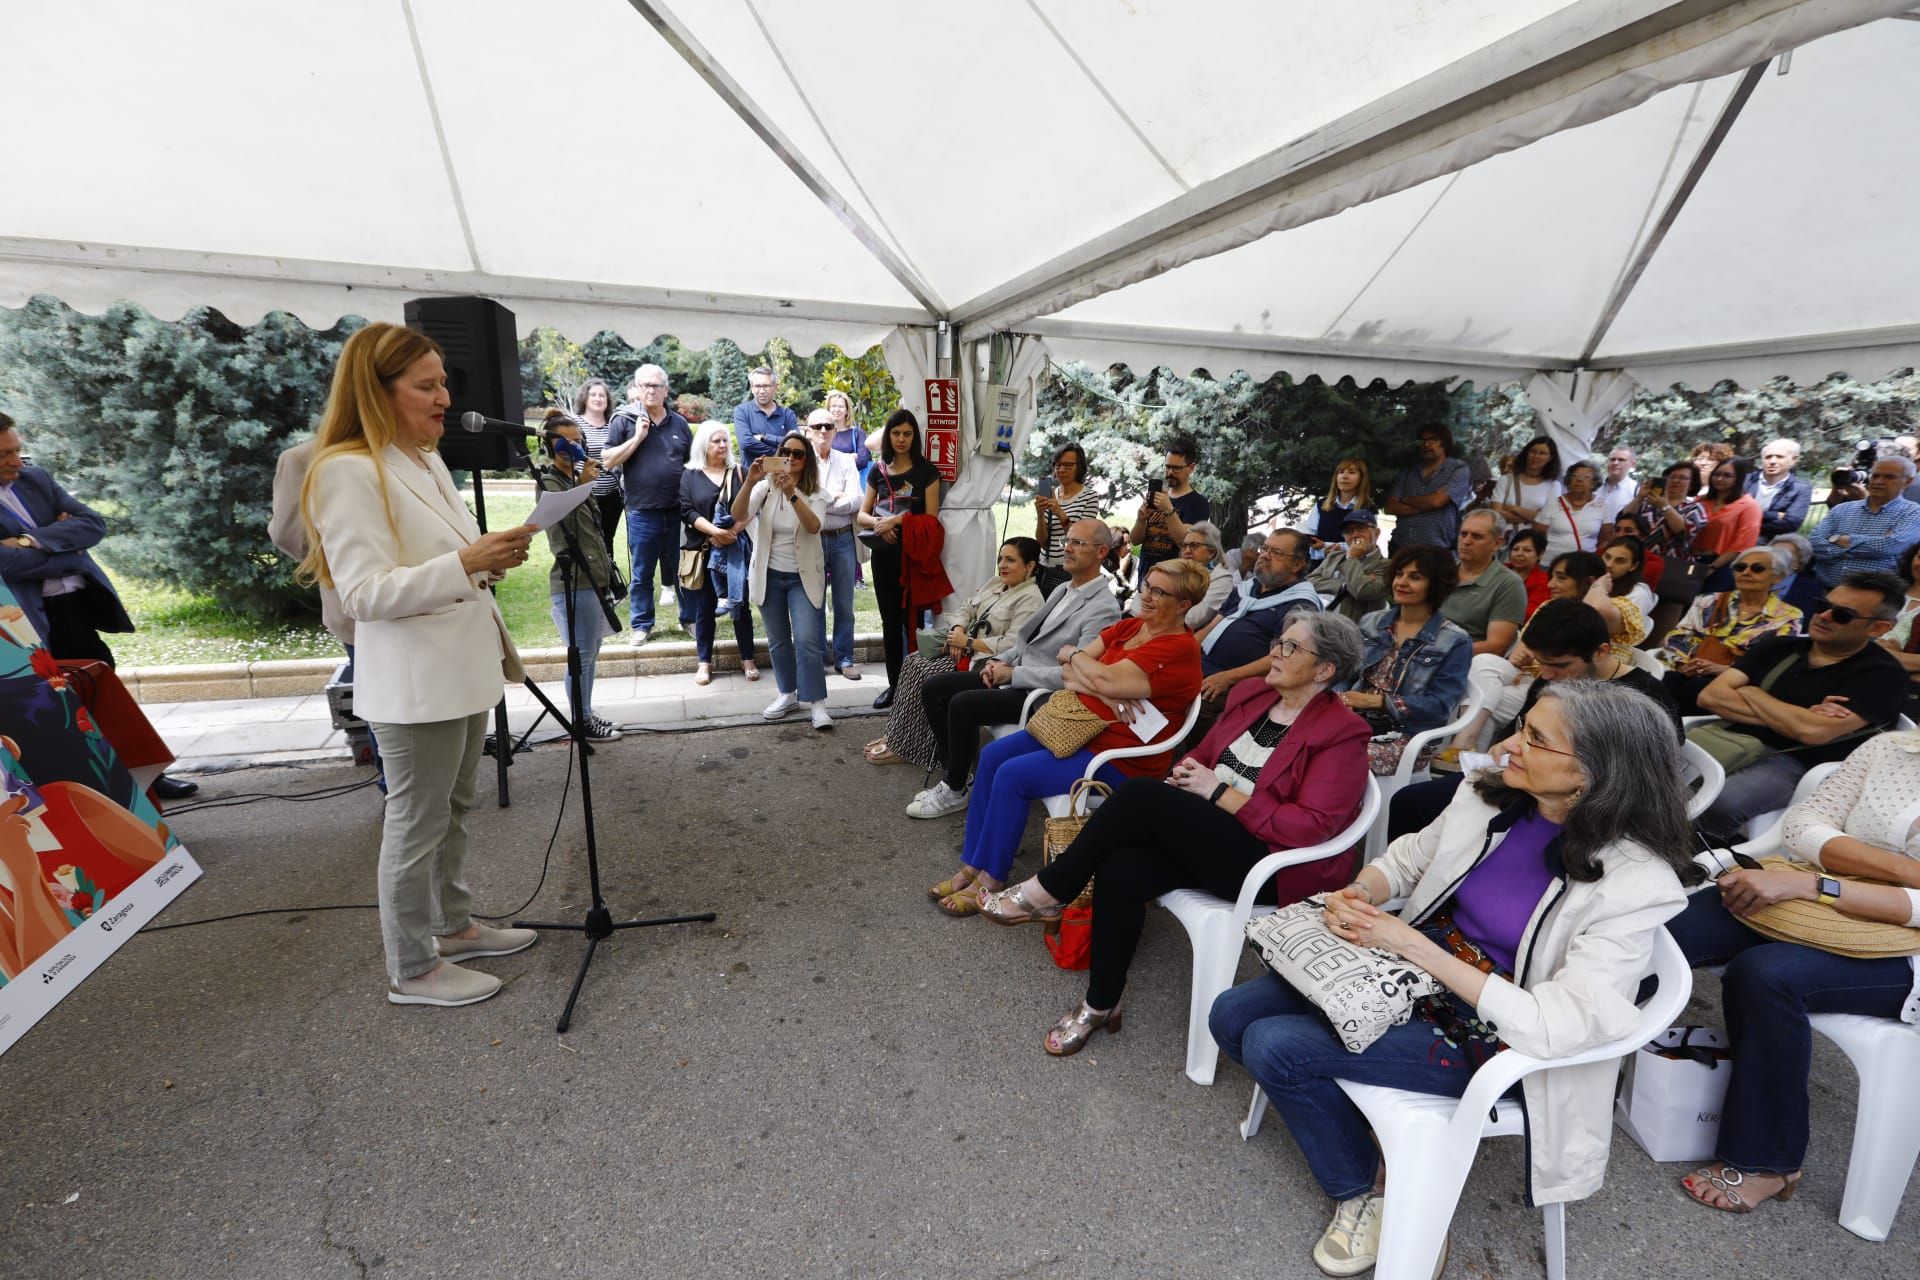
1152 658
1733 517
1284 767
1523 557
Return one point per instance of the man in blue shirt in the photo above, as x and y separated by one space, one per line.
762 422
1427 498
648 444
1868 536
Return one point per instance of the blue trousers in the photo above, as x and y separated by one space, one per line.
1288 1045
1767 992
793 625
653 536
591 625
1013 772
373 740
705 603
1761 787
843 567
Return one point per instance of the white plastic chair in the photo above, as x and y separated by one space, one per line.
1056 806
1215 927
1765 835
1429 1142
1886 1056
1405 774
1711 777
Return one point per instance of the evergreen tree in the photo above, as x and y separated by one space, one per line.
866 380
727 383
611 358
172 430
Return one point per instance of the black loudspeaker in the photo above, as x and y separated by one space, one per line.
483 375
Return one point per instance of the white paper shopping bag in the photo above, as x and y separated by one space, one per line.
1671 1093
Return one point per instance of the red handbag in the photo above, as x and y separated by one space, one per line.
1070 939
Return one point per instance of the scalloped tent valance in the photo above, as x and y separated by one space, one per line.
1489 189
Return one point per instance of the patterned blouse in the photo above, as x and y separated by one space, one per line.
1673 545
1717 616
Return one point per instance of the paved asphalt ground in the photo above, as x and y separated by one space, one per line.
832 1080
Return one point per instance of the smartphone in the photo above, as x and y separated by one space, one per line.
1154 485
1047 486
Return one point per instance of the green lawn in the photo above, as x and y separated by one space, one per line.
176 628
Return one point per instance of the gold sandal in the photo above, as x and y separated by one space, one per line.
1069 1035
962 902
951 885
1011 906
878 752
1727 1181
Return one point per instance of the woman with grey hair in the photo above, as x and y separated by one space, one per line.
1800 587
1283 767
1721 626
1202 546
1535 899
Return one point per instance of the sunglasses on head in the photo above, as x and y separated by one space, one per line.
1840 614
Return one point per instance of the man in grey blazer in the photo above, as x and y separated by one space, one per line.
962 703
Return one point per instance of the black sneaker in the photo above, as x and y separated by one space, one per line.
599 730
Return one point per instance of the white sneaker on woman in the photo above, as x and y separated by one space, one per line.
937 802
447 984
781 705
818 713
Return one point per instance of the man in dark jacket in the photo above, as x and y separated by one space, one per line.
1783 496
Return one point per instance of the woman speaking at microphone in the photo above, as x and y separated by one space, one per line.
389 532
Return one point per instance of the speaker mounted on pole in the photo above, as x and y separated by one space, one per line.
482 355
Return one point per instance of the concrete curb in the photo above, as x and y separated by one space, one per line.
209 682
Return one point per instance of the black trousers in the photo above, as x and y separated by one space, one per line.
70 627
1148 838
887 569
1414 808
612 510
958 706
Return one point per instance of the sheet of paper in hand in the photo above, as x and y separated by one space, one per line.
1362 990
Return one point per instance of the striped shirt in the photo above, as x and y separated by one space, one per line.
595 438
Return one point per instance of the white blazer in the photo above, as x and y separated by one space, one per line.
429 643
806 546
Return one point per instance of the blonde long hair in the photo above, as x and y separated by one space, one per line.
1362 496
359 420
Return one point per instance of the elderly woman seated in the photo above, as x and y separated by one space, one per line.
1416 662
1721 626
1282 768
1153 659
1202 546
1560 869
1858 823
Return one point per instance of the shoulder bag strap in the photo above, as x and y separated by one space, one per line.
1572 524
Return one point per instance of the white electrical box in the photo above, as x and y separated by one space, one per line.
995 405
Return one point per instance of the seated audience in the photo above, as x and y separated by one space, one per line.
992 618
1718 628
1523 558
1152 658
1806 698
1801 587
1415 670
1354 572
1903 641
1490 602
959 704
1201 544
1235 641
1281 769
1241 560
1628 525
1348 494
1623 598
1584 829
1121 564
1857 823
1867 536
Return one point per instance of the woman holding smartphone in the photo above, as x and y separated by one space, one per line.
788 576
1063 498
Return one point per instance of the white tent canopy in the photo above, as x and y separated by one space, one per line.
1492 189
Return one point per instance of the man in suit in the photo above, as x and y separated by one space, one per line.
962 703
44 536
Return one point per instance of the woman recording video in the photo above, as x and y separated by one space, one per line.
567 466
387 529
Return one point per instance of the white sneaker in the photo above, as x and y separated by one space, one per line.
781 705
821 720
488 941
937 802
1351 1242
446 985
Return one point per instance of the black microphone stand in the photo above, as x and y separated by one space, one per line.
599 923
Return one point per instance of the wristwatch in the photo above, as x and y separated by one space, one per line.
1828 889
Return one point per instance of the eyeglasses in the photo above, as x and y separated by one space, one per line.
651 386
1081 542
1840 614
1150 592
1530 741
792 453
1287 648
1754 566
1189 546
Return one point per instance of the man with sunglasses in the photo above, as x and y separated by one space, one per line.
1808 699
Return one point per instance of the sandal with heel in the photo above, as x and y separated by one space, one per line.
1012 906
1069 1035
1727 1181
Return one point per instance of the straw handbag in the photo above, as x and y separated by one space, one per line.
1063 725
1825 927
1061 832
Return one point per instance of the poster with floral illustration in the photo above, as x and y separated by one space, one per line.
85 859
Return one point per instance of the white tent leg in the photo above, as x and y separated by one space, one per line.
1574 406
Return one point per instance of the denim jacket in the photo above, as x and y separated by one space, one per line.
1429 674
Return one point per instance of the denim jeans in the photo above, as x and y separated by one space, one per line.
1766 993
793 624
652 536
373 739
591 624
1762 786
843 564
1014 771
705 603
1288 1045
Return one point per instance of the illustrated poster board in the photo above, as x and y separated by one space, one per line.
85 859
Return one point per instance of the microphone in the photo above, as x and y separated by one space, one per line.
475 421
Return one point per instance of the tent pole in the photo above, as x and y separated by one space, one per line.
1623 288
704 65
